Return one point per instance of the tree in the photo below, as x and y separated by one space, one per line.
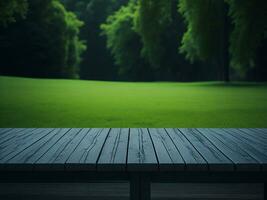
161 28
74 46
152 20
207 33
250 26
211 34
98 62
11 9
125 44
65 46
50 34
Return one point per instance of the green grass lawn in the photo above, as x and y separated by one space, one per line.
72 103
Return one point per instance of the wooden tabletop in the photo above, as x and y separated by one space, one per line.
133 149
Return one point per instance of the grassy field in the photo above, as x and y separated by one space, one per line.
70 103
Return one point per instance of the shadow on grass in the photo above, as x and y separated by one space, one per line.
235 84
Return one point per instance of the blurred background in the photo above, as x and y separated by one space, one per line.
134 40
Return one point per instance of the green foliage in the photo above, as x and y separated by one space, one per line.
250 24
204 28
11 9
207 37
152 20
50 34
65 27
124 43
141 38
161 28
138 39
97 62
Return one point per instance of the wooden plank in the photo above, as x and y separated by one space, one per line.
252 137
255 150
21 141
18 135
47 160
141 153
47 146
216 160
16 149
243 161
261 135
18 139
257 138
169 157
114 153
140 149
4 130
26 159
193 159
259 132
71 146
252 140
5 133
15 133
85 156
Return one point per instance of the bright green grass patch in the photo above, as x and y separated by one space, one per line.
70 103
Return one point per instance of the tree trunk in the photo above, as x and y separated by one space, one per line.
224 57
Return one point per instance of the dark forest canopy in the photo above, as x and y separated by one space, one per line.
134 40
97 61
44 44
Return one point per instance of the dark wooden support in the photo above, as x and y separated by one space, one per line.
265 190
140 187
145 188
134 187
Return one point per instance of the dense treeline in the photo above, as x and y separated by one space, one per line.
134 40
226 33
10 9
97 61
44 44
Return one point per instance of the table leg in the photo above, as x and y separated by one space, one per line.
140 187
265 190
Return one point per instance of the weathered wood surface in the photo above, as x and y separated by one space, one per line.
133 150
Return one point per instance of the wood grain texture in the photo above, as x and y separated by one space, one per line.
258 134
5 131
141 152
250 136
216 160
22 143
249 144
114 153
193 159
86 155
47 161
27 159
133 149
168 156
14 135
243 161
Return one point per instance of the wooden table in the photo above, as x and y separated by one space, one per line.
140 156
